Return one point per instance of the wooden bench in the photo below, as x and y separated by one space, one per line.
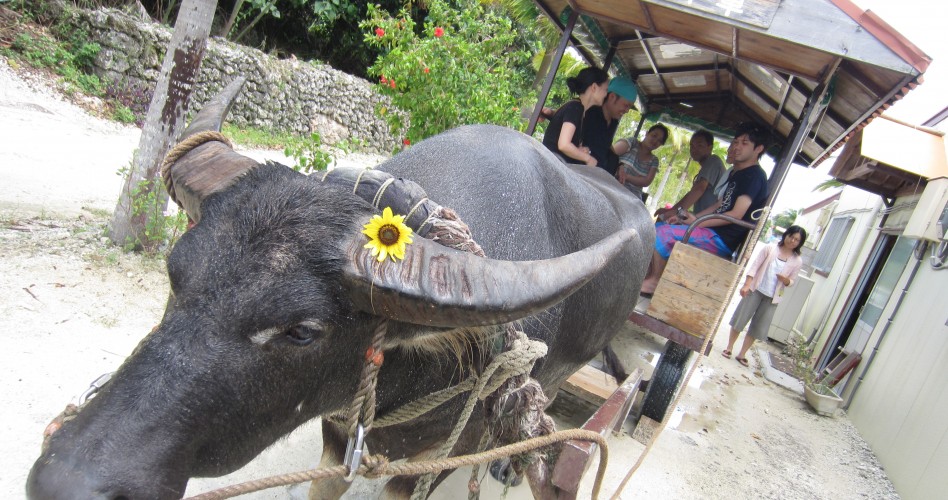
686 308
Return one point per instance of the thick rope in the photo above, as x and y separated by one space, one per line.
755 234
518 360
376 466
363 404
184 147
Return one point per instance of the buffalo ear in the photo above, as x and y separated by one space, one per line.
208 164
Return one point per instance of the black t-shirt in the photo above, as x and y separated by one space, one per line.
571 112
598 136
752 182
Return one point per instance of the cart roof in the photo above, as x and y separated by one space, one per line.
716 63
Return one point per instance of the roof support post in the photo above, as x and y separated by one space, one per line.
799 131
551 74
613 48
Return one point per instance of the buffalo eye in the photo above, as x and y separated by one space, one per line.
302 334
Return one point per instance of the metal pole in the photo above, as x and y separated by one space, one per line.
799 131
551 74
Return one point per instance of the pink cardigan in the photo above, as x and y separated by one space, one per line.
758 267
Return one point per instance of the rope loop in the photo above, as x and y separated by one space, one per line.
184 147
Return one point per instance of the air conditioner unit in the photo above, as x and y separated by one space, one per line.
929 221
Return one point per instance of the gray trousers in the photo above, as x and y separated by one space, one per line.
759 310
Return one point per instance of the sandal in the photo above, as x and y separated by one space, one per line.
726 353
742 361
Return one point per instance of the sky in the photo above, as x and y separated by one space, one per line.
922 22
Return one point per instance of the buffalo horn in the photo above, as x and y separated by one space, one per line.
212 166
439 286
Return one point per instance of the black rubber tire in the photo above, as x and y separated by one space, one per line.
665 381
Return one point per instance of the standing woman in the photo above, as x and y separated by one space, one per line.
774 268
564 134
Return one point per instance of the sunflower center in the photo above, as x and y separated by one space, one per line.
388 234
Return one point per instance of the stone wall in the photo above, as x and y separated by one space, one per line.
280 94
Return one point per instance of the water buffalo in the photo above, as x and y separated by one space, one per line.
274 302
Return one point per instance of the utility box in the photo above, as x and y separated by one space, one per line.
789 309
929 220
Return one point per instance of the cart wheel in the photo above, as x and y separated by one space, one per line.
665 380
503 471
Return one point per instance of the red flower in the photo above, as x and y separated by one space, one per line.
384 80
439 32
392 83
379 32
426 70
406 142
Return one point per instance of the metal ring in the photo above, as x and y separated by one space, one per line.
94 387
354 452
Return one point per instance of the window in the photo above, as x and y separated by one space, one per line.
832 243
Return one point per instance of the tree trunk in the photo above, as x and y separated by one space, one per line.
143 196
229 25
653 200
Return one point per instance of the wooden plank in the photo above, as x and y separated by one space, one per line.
690 312
667 331
644 430
574 458
591 384
700 271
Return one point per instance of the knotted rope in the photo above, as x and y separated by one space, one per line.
519 360
377 466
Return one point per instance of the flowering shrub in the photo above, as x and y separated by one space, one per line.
461 67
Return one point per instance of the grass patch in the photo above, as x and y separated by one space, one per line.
258 138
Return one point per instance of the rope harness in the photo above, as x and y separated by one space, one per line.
505 377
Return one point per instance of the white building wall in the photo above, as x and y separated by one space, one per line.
901 403
829 293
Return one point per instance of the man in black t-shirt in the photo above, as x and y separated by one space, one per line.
600 122
745 193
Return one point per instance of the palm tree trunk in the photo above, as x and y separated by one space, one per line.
143 193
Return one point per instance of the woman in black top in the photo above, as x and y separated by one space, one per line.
563 135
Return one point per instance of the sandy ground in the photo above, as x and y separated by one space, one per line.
72 307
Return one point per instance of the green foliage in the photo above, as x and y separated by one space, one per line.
258 137
162 228
122 114
460 67
801 354
310 155
828 184
68 61
786 218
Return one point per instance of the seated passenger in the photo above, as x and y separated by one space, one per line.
745 192
601 122
637 164
564 134
702 194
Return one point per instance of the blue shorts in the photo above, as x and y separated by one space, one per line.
666 235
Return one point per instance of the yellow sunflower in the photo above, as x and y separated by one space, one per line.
388 235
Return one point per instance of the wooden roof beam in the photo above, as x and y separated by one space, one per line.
651 62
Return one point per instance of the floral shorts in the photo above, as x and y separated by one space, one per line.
666 235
